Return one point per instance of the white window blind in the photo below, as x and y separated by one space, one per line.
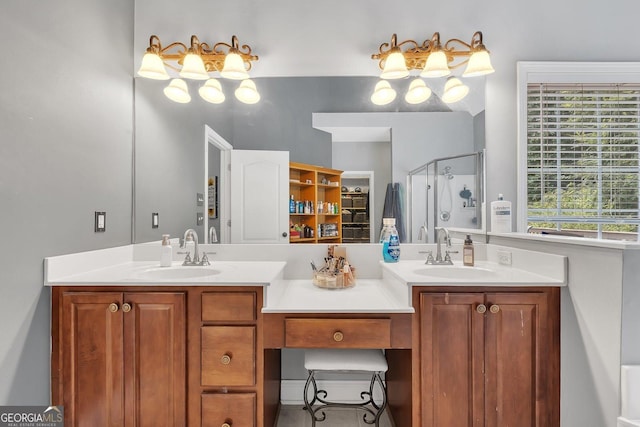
583 161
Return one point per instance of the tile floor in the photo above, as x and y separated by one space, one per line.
295 416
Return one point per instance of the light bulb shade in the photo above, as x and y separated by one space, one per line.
383 93
152 67
418 92
193 68
247 92
479 64
436 65
211 92
395 67
234 67
454 90
177 91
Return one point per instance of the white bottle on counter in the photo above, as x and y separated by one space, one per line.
501 215
166 256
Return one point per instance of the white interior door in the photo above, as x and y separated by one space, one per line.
259 196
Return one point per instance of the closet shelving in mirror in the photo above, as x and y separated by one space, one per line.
315 194
355 217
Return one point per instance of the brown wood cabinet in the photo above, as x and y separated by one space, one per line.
489 358
119 358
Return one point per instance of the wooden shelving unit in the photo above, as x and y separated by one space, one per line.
320 186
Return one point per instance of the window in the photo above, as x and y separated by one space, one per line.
580 142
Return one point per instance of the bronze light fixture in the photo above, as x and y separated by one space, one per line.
195 62
433 59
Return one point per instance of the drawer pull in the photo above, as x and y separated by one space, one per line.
338 336
481 308
126 307
225 360
113 307
494 308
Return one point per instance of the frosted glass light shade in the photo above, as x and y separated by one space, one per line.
193 68
454 90
211 92
418 92
383 93
177 91
152 67
479 64
436 65
395 67
247 92
234 67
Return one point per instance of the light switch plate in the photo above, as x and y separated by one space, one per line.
155 220
199 218
100 224
200 199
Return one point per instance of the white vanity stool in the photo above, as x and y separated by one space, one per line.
345 360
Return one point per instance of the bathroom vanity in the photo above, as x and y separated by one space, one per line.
203 348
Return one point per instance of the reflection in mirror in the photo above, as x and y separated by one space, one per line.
446 192
170 163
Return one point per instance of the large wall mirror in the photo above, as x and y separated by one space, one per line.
326 121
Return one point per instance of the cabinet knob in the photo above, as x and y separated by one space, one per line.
126 307
226 425
494 308
284 234
338 336
113 307
481 308
225 360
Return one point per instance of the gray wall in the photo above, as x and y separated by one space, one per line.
65 152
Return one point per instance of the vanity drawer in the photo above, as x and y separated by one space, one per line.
228 306
228 356
234 409
338 333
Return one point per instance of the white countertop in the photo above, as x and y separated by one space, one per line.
302 296
147 273
483 273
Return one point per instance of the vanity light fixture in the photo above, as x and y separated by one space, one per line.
432 57
196 62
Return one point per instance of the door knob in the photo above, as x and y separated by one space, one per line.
494 308
126 307
338 336
113 307
481 308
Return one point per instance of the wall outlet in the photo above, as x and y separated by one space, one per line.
199 218
504 257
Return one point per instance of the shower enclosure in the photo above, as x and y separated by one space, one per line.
446 192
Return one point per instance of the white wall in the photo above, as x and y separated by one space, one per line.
65 151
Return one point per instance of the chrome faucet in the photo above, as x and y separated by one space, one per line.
213 235
442 235
191 236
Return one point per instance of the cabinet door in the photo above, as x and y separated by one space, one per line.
155 357
452 343
517 346
92 366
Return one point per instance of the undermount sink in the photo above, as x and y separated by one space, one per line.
177 273
456 272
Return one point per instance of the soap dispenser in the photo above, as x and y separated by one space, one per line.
166 256
468 256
